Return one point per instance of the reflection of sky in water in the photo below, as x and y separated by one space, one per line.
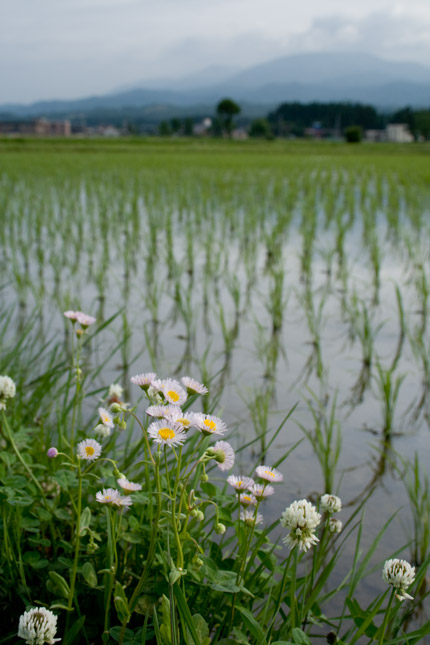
341 355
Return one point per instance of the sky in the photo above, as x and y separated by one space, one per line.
74 48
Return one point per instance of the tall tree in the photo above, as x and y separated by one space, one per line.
226 110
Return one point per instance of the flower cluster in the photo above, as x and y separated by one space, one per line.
400 575
38 626
78 316
251 493
302 518
331 504
7 390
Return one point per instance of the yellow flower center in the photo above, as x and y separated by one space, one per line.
210 424
269 473
107 497
105 418
173 395
89 451
166 433
239 483
246 498
184 422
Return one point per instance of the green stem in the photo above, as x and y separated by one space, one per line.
18 454
386 617
293 589
77 545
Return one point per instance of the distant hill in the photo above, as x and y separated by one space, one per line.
323 76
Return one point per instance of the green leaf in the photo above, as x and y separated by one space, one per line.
116 631
121 603
85 520
202 630
300 637
185 614
60 584
253 626
89 574
74 630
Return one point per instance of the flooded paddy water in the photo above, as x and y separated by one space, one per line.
280 279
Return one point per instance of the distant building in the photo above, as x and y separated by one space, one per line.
239 134
39 127
398 133
375 136
202 129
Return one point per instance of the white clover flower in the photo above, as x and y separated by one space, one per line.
400 575
240 483
330 503
102 430
108 496
128 487
185 419
248 516
269 474
144 381
167 433
260 491
38 626
224 455
7 390
209 424
89 449
105 417
334 525
84 319
246 499
302 518
194 386
173 391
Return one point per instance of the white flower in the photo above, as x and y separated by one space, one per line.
102 430
400 575
144 380
302 518
105 417
128 487
260 492
240 483
209 424
172 391
248 516
246 499
115 391
194 386
269 474
334 525
175 414
38 626
72 315
330 503
89 449
161 411
124 500
7 390
224 455
167 433
84 319
108 496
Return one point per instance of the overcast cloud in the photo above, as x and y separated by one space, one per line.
73 48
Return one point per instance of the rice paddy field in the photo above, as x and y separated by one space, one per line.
291 278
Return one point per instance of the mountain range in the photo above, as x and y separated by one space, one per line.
323 76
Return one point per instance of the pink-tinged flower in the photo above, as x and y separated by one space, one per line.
175 414
84 319
224 455
105 417
128 487
52 452
108 496
124 500
240 483
209 424
167 433
248 516
89 449
144 381
72 315
193 386
161 411
246 499
269 474
173 391
260 491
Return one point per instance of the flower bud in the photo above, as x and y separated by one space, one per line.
220 528
115 408
52 452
